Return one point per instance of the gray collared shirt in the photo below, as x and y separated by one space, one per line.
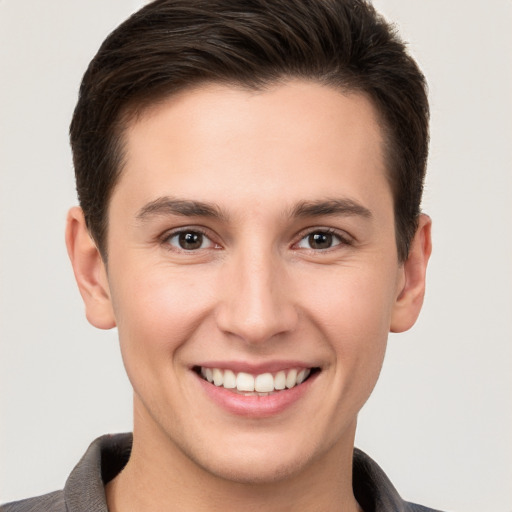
84 490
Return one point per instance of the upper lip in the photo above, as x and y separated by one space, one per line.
256 368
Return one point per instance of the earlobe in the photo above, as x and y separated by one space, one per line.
89 270
410 297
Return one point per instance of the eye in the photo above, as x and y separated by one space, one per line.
320 240
190 240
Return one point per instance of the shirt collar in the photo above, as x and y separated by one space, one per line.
85 488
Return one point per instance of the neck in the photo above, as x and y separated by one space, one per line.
160 476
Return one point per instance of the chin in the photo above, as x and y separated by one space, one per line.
264 462
259 471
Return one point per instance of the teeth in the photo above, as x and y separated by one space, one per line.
229 379
264 383
218 377
260 385
301 376
291 379
244 382
280 380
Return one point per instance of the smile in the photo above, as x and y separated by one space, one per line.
258 385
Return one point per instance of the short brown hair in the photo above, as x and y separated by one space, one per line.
170 45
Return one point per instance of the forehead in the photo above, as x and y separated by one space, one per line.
215 141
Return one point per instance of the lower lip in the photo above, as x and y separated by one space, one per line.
254 406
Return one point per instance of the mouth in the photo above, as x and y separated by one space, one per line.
262 384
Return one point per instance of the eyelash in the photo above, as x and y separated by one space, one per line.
168 236
343 239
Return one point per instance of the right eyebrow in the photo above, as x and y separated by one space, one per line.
332 206
170 206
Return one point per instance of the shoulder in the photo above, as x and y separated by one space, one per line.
374 491
84 489
51 502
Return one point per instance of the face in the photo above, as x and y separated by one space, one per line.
253 274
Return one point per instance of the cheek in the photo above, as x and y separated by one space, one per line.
353 313
157 310
353 303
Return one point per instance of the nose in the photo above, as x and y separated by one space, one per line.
257 298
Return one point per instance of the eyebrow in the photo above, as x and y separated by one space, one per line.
189 208
345 206
184 207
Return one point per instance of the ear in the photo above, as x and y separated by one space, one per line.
410 298
90 271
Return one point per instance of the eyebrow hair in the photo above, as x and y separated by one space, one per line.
330 207
189 208
168 206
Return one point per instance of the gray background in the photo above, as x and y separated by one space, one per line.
440 420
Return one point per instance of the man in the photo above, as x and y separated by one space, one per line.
250 178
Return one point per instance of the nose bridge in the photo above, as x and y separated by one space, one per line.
257 304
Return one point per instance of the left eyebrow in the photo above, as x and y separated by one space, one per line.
182 207
346 207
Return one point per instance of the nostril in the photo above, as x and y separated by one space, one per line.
258 310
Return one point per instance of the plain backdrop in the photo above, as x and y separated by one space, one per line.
440 419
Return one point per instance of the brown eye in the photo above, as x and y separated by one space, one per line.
319 240
189 240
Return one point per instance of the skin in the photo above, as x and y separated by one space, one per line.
256 291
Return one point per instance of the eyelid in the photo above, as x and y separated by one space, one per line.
167 235
343 236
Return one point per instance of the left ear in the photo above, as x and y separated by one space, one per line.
410 299
90 271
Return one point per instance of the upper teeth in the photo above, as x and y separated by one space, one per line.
262 383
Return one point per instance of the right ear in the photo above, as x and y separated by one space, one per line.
90 271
